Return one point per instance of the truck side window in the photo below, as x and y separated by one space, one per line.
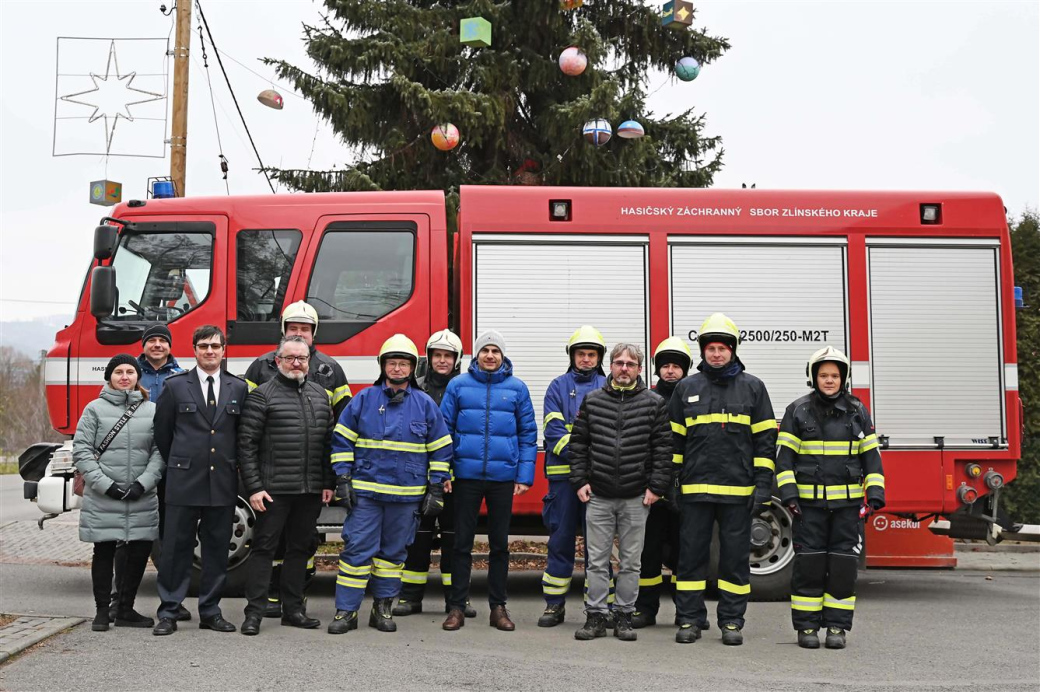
264 261
363 271
161 276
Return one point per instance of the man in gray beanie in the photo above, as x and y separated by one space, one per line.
495 447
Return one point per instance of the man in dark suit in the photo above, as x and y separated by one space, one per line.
196 424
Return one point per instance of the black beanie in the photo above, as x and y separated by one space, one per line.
157 330
121 359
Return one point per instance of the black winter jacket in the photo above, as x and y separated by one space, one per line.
725 429
620 443
285 438
828 454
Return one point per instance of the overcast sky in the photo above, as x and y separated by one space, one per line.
833 95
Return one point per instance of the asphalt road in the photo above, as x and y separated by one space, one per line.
13 507
914 629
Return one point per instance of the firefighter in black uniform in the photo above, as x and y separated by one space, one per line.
444 360
672 361
829 475
722 421
299 319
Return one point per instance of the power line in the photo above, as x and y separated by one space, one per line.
263 169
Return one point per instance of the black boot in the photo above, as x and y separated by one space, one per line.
404 607
595 626
100 623
623 627
553 615
835 638
687 634
731 635
133 572
469 611
344 621
643 619
273 608
808 639
382 617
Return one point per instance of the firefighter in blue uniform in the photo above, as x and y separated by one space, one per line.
725 441
829 475
562 512
672 361
391 452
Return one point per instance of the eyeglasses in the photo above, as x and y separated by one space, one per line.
209 347
295 359
625 364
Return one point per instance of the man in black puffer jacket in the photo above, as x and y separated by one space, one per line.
621 463
284 447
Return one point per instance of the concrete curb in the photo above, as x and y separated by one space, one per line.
27 630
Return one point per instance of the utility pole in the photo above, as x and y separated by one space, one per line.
179 133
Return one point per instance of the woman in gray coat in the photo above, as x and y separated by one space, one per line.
119 497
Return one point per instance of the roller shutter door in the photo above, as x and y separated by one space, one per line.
787 299
936 345
537 294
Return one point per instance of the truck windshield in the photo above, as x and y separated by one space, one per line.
161 276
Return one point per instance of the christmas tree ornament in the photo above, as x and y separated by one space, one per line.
677 14
630 129
445 137
573 61
597 132
475 32
270 98
571 4
687 69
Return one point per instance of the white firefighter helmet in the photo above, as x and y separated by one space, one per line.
720 328
300 312
828 354
673 350
446 340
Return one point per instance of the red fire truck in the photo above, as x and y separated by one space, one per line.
916 287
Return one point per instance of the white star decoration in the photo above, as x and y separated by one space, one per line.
112 90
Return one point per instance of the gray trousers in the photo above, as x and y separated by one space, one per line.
605 518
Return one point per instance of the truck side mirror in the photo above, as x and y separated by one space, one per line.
102 291
105 240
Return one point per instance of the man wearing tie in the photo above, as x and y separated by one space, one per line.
196 425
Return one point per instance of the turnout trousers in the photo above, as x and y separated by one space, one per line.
563 515
660 547
734 578
827 546
417 564
375 542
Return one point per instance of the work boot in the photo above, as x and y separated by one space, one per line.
456 619
469 610
731 635
382 617
687 634
100 623
595 626
553 615
131 618
273 609
808 639
405 607
343 622
835 638
644 619
623 627
499 619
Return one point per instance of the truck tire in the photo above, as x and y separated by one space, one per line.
238 553
772 562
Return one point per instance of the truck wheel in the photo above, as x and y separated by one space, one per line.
772 554
238 552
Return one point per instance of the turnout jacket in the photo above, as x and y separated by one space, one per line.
562 399
391 443
323 369
621 444
724 434
491 420
285 438
828 454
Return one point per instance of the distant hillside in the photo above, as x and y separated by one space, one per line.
32 336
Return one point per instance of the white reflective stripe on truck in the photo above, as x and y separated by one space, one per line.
860 374
1011 377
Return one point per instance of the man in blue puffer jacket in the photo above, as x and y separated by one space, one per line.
491 420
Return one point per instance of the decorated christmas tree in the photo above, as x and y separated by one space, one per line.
414 89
